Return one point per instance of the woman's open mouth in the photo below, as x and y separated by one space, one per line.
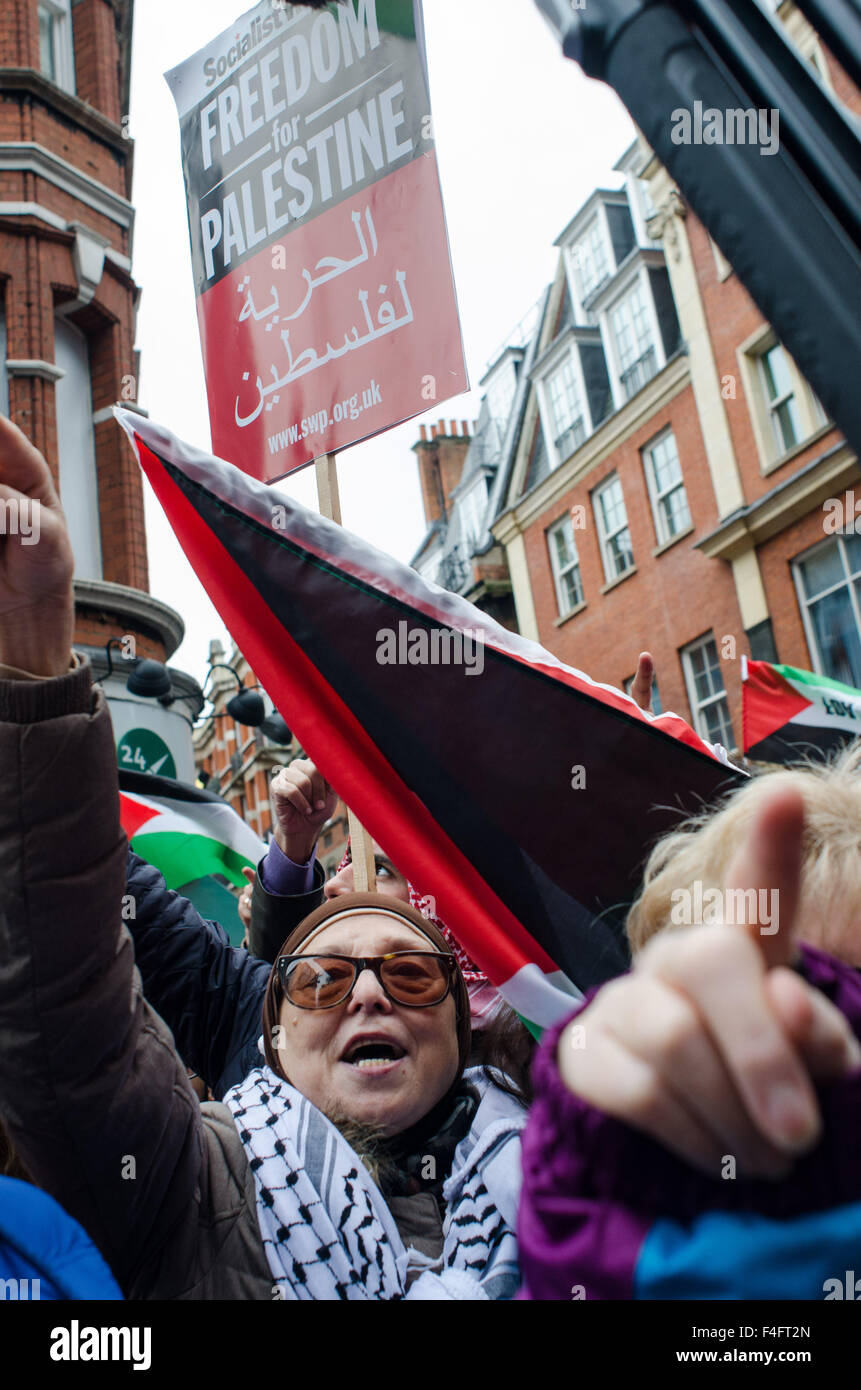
373 1055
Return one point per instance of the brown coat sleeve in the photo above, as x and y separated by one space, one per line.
93 1095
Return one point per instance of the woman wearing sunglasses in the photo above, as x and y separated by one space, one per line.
366 1028
366 1031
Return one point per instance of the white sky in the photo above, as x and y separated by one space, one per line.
522 139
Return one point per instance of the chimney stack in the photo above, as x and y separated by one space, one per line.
441 451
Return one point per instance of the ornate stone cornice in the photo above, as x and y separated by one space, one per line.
662 224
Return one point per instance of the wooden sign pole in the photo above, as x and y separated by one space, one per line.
361 844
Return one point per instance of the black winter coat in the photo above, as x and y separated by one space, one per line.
209 993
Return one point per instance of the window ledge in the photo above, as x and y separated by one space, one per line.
796 449
572 613
674 540
620 579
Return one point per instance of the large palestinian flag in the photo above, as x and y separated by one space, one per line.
517 792
788 714
185 833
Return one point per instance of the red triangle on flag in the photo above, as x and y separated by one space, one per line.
133 814
768 703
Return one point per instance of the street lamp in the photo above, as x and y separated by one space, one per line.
274 726
246 706
147 678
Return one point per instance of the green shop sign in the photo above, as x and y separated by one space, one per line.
140 750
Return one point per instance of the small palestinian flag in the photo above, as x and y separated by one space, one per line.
185 833
518 793
788 714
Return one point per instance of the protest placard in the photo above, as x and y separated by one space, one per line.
324 290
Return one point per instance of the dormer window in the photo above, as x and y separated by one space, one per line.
634 340
500 391
473 506
591 259
566 409
500 396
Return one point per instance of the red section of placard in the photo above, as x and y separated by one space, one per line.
346 327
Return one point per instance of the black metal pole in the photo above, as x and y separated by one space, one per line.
812 125
838 23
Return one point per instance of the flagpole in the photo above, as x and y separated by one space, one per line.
361 844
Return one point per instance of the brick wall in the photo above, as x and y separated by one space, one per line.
97 56
671 600
37 270
93 628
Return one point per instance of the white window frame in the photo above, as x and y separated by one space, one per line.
596 232
501 392
772 406
571 395
804 602
614 356
813 417
76 449
60 14
566 526
656 496
605 536
566 353
472 506
697 705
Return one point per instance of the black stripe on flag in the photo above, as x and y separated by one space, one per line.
490 755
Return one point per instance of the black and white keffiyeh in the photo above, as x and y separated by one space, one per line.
326 1228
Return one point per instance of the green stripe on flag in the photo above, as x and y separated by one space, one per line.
795 676
180 858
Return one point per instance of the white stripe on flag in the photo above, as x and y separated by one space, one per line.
215 821
543 999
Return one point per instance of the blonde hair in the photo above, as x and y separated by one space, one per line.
702 849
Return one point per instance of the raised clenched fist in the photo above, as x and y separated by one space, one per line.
302 801
36 562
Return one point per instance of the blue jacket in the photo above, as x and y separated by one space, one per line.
44 1254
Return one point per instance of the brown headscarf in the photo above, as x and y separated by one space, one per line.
343 905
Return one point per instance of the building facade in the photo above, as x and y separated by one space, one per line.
238 762
457 467
67 330
669 480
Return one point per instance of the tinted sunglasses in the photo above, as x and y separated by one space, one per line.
416 979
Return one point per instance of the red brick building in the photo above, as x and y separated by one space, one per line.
663 465
238 762
67 323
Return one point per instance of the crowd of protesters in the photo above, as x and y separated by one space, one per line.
379 1125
